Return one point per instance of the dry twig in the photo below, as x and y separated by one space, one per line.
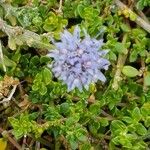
10 139
10 95
141 22
22 36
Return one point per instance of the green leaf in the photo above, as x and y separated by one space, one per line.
147 121
125 27
94 126
145 110
74 144
112 56
127 119
38 78
132 16
120 48
136 114
22 125
138 32
64 108
130 71
80 10
140 129
44 59
118 124
123 140
118 127
8 62
12 43
147 79
37 21
35 86
72 120
142 3
82 138
94 109
47 76
133 55
104 122
35 60
16 57
86 146
43 89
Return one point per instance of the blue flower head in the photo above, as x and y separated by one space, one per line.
78 62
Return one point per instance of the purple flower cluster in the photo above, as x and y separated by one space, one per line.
78 62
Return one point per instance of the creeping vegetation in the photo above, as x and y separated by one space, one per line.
74 75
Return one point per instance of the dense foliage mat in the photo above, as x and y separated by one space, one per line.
74 74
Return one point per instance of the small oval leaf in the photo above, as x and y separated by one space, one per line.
47 76
130 71
147 79
43 89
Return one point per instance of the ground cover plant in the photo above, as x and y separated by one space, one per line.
74 75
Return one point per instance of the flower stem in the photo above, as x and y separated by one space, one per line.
10 96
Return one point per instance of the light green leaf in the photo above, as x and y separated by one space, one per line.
147 79
118 127
140 129
47 76
80 10
133 16
35 86
104 122
43 89
136 114
12 43
120 48
125 27
127 119
130 71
